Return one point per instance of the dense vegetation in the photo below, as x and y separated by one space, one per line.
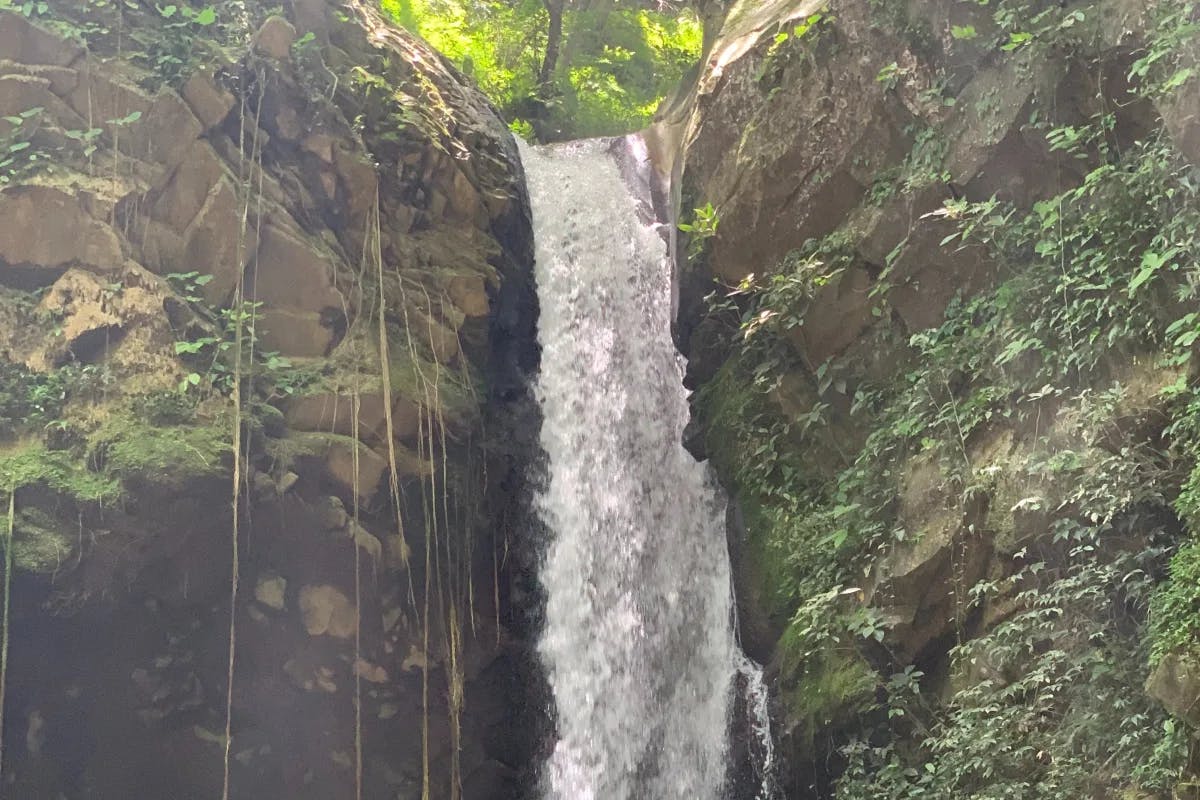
1080 470
563 69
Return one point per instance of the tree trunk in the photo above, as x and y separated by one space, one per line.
554 37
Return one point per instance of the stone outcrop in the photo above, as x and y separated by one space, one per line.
326 193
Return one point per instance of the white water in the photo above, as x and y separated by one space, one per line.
758 726
638 641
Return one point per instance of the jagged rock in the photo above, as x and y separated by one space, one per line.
1181 111
915 584
332 514
61 80
367 542
209 101
189 187
327 612
372 673
165 196
21 93
469 294
215 244
362 478
46 227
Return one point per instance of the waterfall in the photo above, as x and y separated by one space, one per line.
638 642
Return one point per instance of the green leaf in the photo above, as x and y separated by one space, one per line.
963 31
1178 79
129 118
206 16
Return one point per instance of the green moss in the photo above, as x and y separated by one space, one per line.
173 455
789 552
40 541
825 689
449 392
31 464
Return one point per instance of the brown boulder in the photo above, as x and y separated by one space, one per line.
326 611
297 334
210 102
214 243
46 227
189 186
333 412
22 41
294 273
1175 683
275 38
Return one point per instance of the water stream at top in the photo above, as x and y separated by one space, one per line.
639 642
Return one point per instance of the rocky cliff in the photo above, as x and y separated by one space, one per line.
937 296
266 314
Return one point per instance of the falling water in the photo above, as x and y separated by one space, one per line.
638 642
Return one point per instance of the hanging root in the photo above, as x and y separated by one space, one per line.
235 504
8 564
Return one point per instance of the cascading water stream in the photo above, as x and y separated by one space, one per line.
638 643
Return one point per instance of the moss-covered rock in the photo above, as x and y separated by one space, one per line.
172 456
30 464
824 691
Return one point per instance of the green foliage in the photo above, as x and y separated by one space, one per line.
1050 703
1158 70
172 50
1175 613
823 678
617 61
702 228
1046 701
18 157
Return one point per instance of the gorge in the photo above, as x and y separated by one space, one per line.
352 448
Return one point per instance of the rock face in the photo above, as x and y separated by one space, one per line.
811 122
327 195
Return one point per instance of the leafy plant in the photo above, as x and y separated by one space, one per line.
702 228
